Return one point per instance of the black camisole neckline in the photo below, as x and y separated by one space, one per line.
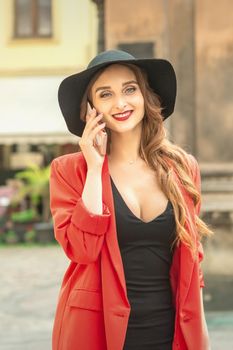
136 217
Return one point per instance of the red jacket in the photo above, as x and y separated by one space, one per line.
93 308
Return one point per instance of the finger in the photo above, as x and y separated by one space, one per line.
103 146
92 122
93 117
98 140
95 131
90 114
101 136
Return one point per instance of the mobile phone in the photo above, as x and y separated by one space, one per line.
89 107
100 140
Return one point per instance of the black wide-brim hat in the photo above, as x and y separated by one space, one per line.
161 78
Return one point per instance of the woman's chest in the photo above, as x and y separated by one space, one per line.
140 191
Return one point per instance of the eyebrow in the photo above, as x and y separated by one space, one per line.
109 87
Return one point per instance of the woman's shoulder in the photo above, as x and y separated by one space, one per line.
70 161
188 159
189 162
193 167
193 163
192 159
69 158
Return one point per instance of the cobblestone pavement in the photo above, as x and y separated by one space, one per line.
30 280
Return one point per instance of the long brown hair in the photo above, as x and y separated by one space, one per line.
160 153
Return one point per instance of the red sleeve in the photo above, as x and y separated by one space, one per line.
79 232
201 257
197 181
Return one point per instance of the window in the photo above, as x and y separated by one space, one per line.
33 19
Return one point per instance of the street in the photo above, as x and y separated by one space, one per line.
30 282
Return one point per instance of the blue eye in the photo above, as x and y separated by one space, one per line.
128 90
132 89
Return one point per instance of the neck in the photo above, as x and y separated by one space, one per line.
124 147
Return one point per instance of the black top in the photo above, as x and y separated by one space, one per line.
146 257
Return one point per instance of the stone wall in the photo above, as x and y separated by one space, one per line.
197 36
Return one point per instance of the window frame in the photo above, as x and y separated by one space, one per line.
34 19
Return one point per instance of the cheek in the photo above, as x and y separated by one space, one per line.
99 106
105 107
138 101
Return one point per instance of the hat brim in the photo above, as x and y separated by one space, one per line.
161 78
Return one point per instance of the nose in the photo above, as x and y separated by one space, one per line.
120 103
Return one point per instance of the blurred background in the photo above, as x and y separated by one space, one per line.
43 41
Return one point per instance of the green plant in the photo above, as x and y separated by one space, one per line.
35 185
30 236
2 237
11 236
24 216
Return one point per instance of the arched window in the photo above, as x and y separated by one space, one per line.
33 19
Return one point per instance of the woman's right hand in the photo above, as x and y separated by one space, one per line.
87 142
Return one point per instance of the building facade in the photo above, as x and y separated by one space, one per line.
41 42
197 36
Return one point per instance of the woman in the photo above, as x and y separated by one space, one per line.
125 211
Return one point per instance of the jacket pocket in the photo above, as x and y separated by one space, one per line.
86 299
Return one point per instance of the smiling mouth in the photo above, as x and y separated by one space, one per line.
122 116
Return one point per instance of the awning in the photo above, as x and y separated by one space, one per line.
29 111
